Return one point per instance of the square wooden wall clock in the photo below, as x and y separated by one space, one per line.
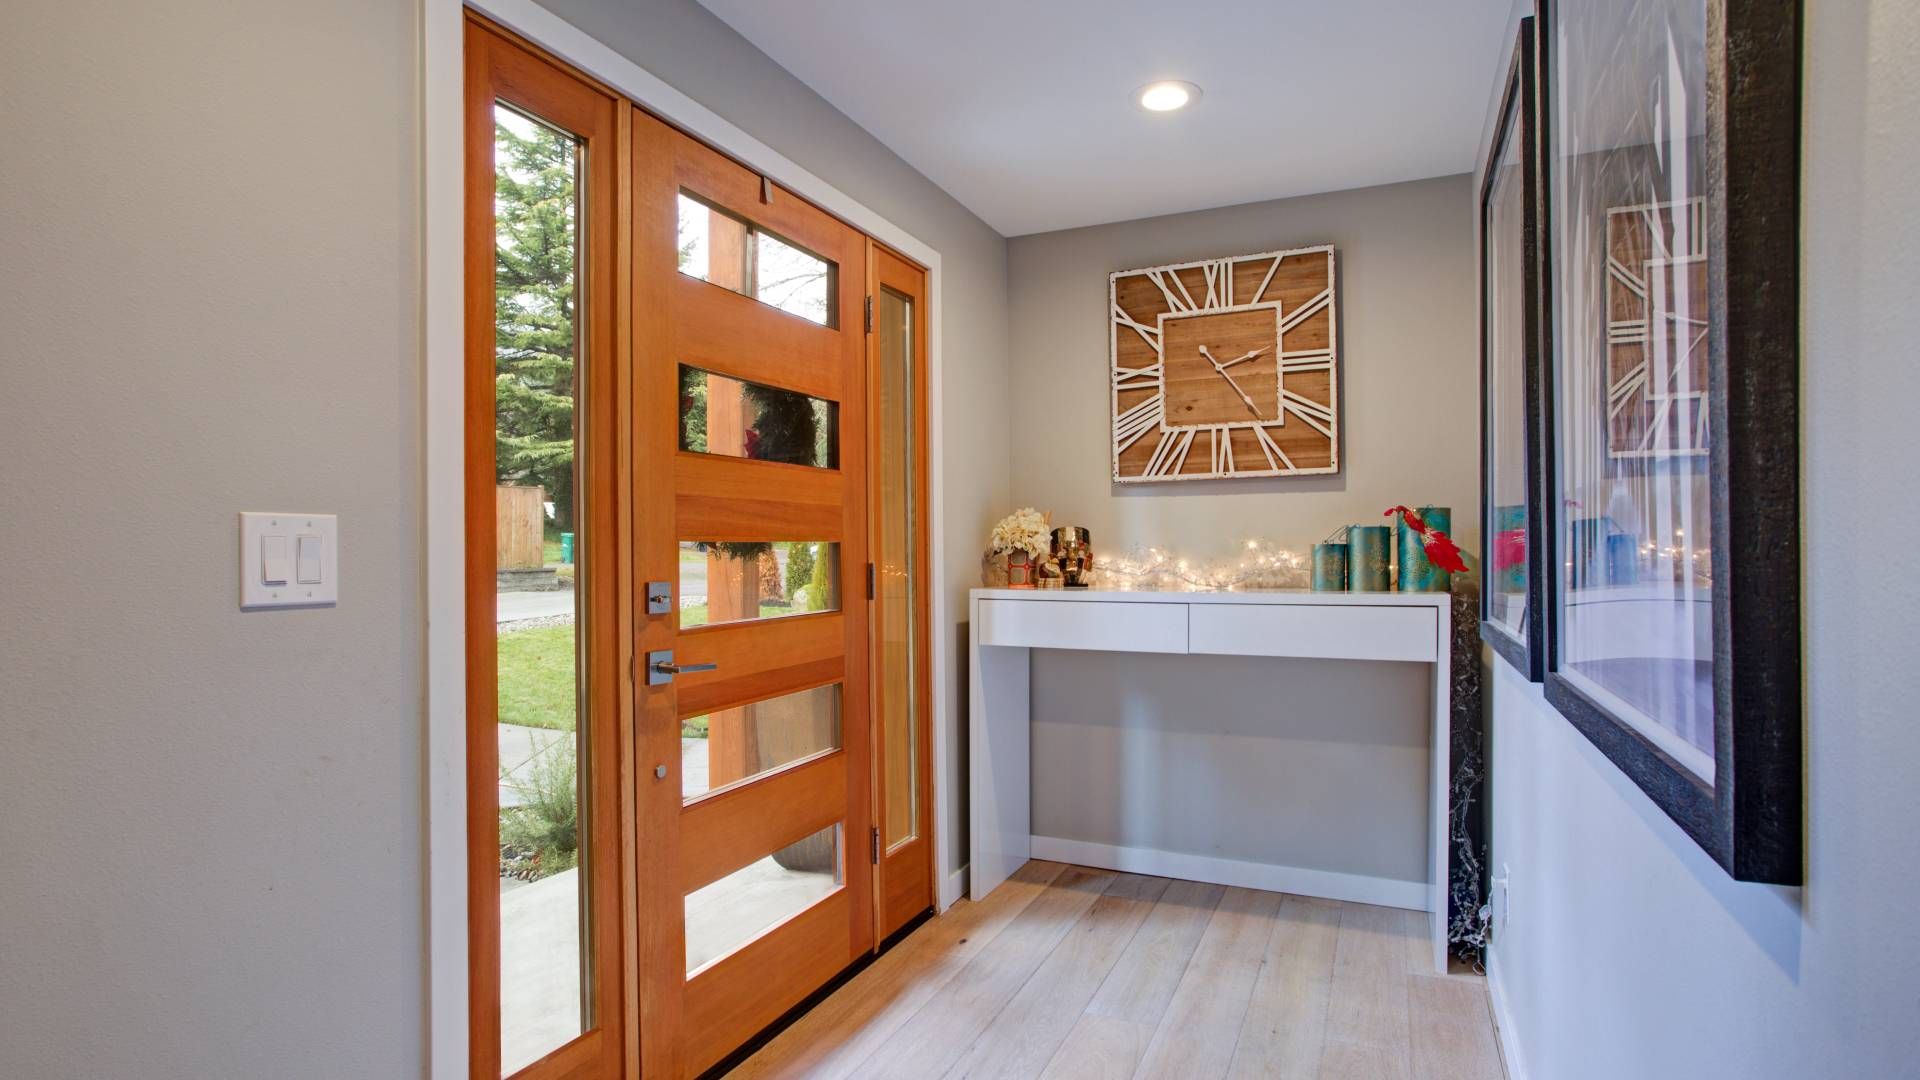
1226 367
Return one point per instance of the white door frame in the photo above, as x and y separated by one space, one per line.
442 210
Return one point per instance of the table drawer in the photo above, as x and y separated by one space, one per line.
1315 630
1083 624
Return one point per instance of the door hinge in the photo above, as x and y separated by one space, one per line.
876 845
869 314
869 581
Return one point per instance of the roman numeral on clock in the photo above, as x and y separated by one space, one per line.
1306 311
1139 378
1222 449
1136 421
1171 454
1272 450
1318 416
1304 360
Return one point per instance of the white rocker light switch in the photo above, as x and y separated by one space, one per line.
273 559
289 560
307 559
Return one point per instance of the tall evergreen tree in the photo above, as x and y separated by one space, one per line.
535 309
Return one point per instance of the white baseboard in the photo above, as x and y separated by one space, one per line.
1503 1028
1358 888
952 887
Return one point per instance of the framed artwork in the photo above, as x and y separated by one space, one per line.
1225 368
1512 345
1673 615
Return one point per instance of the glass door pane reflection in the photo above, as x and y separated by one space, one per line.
543 1000
731 746
731 581
731 912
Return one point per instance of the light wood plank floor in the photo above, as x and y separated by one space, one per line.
1071 972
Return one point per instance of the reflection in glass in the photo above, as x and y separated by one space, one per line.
734 910
726 746
719 248
537 173
894 563
1634 547
731 581
723 415
1507 357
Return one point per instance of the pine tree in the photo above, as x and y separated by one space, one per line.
535 310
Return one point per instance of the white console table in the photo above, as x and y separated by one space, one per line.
1007 623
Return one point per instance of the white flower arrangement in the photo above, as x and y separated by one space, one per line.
1023 530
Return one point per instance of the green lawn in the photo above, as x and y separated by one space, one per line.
536 678
693 727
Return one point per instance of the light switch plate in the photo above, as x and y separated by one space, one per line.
291 536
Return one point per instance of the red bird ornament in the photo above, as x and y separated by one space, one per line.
1438 545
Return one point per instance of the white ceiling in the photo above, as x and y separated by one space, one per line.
1023 109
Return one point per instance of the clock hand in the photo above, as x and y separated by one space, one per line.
1221 369
1243 359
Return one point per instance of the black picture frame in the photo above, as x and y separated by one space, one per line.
1748 818
1519 122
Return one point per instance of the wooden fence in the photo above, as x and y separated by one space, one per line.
519 520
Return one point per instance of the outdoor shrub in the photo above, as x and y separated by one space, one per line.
819 585
541 836
799 568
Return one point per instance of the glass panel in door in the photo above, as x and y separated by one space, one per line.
730 912
538 180
895 564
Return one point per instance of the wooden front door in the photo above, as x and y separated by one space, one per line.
749 464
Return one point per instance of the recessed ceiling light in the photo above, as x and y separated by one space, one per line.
1167 96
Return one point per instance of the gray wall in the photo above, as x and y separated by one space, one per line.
210 823
689 47
1348 748
1409 388
1626 951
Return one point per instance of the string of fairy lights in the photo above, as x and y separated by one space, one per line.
1258 564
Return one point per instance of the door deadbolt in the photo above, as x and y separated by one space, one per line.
659 598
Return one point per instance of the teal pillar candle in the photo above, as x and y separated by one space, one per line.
1367 559
1330 567
1417 572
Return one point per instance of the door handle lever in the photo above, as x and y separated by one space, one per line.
661 668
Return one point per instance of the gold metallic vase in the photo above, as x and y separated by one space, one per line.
1073 553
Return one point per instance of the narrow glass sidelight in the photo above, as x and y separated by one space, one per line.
544 1002
894 567
725 250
